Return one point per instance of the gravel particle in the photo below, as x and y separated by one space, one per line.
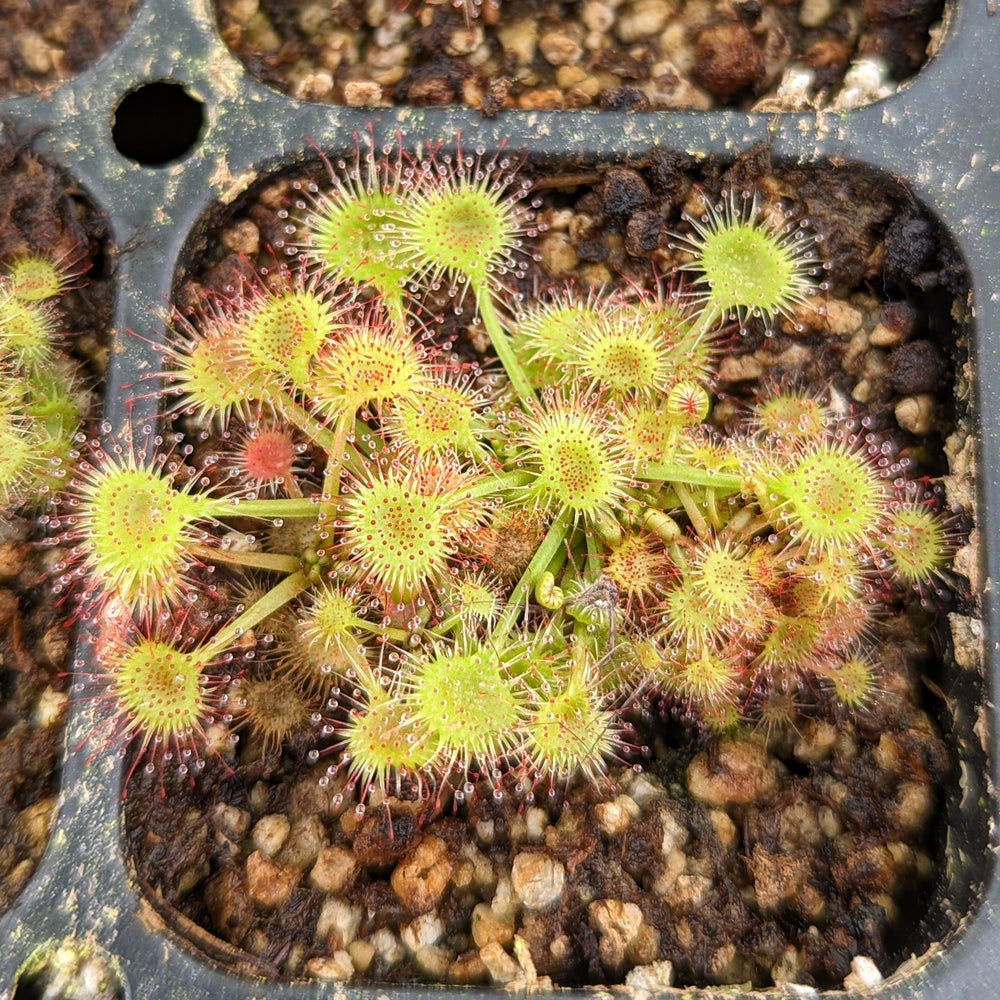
537 879
501 967
12 556
387 947
736 773
334 968
433 960
597 16
617 925
464 40
740 368
885 336
362 955
557 254
519 40
306 839
652 978
243 237
335 868
32 824
560 48
34 52
467 970
488 927
816 741
270 882
724 827
338 922
270 833
864 974
425 930
505 903
364 94
420 879
842 319
782 880
916 413
642 20
541 99
815 13
612 818
313 86
643 789
230 822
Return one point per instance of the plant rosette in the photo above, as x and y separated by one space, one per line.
437 577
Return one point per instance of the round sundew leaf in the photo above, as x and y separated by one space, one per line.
444 418
748 263
134 527
916 542
367 365
569 733
33 278
460 229
214 378
352 235
384 738
284 332
831 496
402 528
577 462
159 690
27 331
469 705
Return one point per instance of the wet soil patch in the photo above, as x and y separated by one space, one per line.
808 847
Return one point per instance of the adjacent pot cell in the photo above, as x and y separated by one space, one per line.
55 314
567 570
49 42
636 55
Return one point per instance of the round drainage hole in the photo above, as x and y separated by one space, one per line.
157 123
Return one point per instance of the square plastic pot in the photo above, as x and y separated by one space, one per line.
940 136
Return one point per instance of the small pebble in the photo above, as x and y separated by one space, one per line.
736 772
270 833
864 974
334 968
338 922
617 926
537 879
501 967
334 869
420 879
427 929
488 927
269 882
916 414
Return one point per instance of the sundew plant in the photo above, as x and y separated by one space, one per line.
436 574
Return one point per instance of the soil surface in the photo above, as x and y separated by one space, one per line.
621 54
45 42
804 849
41 209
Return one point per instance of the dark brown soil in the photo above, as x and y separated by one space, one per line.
543 54
41 209
781 855
47 41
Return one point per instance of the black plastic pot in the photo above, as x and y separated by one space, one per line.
940 136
